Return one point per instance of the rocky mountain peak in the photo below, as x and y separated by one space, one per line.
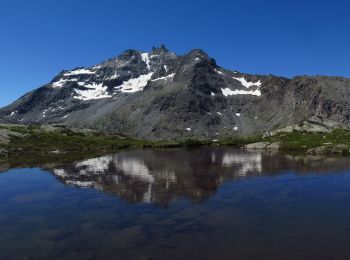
160 95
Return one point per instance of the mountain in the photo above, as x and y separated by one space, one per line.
160 95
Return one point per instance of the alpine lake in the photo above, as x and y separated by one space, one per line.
178 203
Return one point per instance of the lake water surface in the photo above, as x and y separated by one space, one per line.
206 203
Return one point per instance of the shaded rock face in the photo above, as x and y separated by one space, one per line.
161 95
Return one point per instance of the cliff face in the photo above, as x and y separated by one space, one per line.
159 95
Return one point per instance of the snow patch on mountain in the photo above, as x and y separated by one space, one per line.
135 84
92 91
229 92
79 72
44 112
60 83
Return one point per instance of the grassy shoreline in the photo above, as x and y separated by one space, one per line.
48 141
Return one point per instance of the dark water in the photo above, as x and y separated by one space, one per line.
208 203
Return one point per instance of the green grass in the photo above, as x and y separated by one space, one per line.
52 141
303 141
239 141
41 141
37 141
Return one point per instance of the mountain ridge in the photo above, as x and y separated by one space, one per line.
160 95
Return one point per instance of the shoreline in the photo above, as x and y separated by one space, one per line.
19 142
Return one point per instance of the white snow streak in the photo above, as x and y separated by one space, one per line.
165 77
81 184
219 72
115 76
248 84
145 58
229 92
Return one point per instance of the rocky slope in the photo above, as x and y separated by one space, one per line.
160 95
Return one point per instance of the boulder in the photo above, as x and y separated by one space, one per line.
3 153
263 146
258 145
5 136
340 149
273 146
327 149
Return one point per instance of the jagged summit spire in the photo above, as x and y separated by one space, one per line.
157 50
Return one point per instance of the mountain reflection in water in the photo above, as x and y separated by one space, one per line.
161 176
203 203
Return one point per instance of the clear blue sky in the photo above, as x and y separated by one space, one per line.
39 38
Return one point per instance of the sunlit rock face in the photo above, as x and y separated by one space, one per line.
161 176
